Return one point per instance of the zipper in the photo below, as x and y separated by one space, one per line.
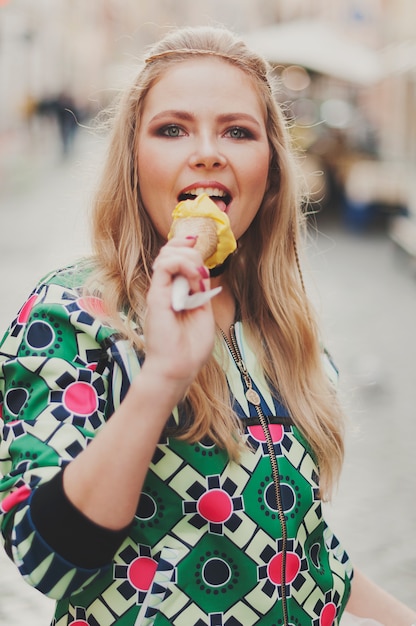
254 399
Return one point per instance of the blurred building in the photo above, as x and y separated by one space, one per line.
86 48
348 70
353 106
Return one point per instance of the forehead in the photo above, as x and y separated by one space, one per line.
205 80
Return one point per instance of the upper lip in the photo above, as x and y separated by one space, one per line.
209 187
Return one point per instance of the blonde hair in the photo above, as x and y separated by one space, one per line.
264 273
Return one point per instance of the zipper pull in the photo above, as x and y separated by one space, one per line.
252 396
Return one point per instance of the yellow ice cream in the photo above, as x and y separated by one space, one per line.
215 237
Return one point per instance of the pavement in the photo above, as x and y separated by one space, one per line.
365 292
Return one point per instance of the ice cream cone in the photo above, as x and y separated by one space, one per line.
203 228
201 218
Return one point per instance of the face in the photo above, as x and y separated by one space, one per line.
203 129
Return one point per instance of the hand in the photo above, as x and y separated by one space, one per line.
177 343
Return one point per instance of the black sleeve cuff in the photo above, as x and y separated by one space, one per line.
68 531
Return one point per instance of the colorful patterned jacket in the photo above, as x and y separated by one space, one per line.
207 546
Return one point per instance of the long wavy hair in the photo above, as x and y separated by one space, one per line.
264 274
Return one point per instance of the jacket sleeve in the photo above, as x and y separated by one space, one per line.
55 373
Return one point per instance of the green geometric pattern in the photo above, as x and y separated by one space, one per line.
205 546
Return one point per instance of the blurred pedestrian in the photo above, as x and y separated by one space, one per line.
67 115
68 118
163 466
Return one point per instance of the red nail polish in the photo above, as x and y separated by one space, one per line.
192 237
204 271
201 285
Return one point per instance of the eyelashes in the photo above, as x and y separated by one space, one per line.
239 132
171 130
175 130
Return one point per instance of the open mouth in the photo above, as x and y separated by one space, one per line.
221 198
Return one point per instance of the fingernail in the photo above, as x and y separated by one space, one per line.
204 271
201 285
192 237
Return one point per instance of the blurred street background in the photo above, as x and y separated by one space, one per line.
347 71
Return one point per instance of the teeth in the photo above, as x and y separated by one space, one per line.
211 191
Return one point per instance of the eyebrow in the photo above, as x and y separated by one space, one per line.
188 116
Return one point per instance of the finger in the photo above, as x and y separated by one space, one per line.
179 246
172 265
189 240
177 258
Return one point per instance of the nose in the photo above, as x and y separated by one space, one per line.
207 154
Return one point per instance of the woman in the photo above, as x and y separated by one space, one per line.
199 501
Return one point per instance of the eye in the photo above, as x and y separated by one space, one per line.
237 132
172 130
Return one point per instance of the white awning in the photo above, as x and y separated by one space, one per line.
318 46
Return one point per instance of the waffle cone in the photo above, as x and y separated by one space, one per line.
202 218
204 228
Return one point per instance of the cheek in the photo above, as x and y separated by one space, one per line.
257 183
151 185
256 171
150 169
